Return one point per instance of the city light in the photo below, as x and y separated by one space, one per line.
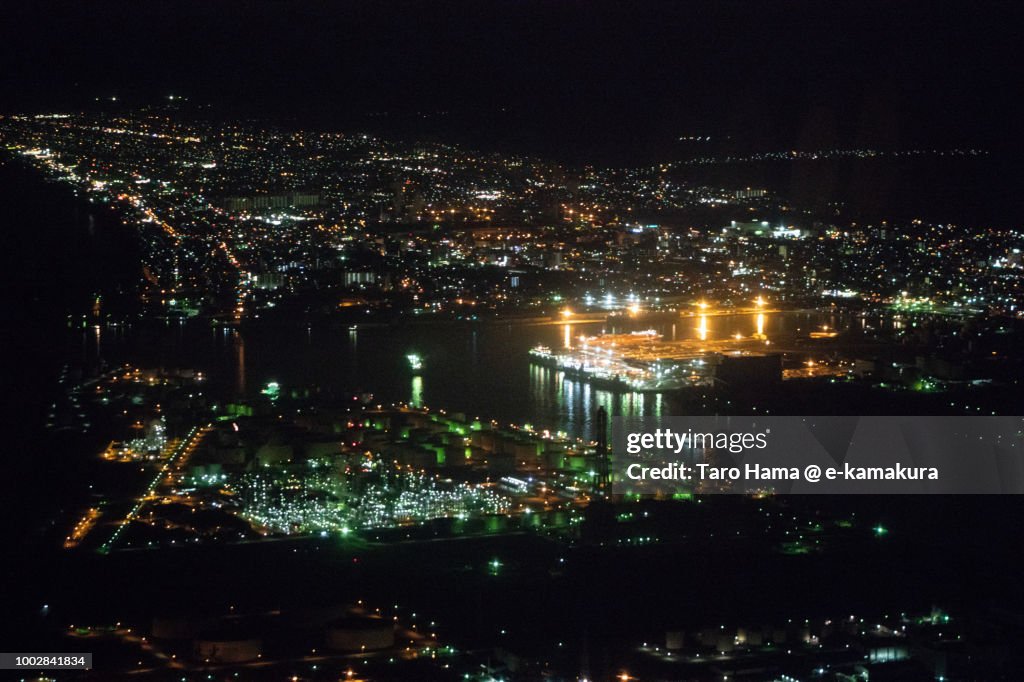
238 522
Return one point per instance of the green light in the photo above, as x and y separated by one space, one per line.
415 361
880 530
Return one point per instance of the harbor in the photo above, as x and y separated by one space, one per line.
643 361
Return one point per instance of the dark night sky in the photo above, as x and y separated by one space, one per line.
769 74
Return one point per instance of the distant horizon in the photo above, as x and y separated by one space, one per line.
945 183
775 75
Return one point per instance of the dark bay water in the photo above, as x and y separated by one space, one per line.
480 369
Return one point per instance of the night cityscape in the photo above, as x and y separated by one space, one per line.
318 316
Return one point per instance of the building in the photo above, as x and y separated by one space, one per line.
257 203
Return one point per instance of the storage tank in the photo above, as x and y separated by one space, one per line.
360 633
232 645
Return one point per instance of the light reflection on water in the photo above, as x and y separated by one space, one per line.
572 403
416 391
481 370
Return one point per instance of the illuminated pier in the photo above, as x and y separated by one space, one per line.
644 361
